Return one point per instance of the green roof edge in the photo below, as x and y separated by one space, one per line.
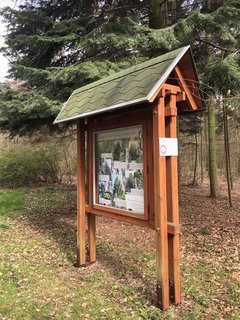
123 73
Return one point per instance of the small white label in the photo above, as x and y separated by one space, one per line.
168 147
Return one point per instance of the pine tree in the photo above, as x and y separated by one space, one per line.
133 153
130 183
117 151
57 46
117 189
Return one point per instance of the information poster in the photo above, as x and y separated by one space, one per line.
119 169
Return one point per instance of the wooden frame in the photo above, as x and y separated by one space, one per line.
113 210
158 120
153 100
81 216
135 117
160 188
172 208
160 195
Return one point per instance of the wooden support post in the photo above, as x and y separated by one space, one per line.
81 215
91 216
92 237
160 204
172 209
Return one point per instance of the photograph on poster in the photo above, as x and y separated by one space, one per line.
119 169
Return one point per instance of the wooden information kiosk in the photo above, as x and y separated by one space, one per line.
127 155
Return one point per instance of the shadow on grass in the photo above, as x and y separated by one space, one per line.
53 212
128 270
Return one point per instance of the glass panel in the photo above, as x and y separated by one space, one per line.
119 169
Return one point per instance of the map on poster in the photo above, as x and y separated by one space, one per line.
119 169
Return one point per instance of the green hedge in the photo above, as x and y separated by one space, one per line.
29 165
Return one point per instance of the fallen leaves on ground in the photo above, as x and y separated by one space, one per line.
39 279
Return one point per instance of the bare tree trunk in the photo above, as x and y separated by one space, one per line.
156 14
227 155
196 160
201 157
206 158
212 149
238 142
228 148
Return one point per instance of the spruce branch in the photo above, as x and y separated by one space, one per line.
216 46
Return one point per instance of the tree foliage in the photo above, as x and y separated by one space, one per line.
130 183
57 46
21 111
117 189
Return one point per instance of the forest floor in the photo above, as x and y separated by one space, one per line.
39 280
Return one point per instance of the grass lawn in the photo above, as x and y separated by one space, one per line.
11 205
39 280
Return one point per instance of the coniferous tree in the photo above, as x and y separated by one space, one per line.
57 46
130 183
117 189
117 151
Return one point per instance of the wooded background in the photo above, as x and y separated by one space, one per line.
57 46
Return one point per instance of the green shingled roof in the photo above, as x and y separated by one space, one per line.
131 86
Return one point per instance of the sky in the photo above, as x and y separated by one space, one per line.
3 60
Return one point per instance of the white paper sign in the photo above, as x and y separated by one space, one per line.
168 147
